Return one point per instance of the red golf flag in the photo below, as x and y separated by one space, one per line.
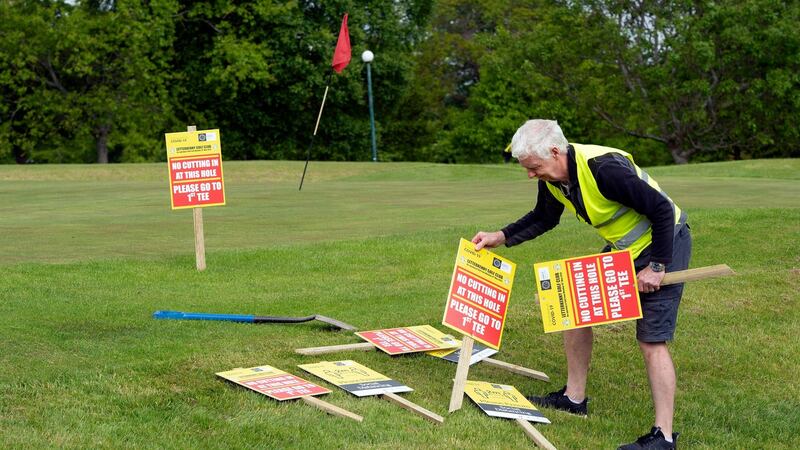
341 57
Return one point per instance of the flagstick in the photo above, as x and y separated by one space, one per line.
311 144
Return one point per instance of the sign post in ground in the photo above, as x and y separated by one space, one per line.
476 305
194 159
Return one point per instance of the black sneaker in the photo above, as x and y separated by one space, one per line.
559 400
653 440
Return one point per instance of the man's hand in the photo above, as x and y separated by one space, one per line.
488 240
649 281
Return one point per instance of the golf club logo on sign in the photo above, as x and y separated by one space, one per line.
587 291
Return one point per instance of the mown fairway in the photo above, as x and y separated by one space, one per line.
87 253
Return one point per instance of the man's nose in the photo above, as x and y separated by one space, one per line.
531 174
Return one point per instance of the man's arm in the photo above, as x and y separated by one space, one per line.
545 215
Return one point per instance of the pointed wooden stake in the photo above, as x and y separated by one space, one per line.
457 396
534 435
413 407
331 409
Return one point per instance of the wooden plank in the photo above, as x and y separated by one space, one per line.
335 348
331 409
681 276
413 407
199 240
517 369
535 435
457 396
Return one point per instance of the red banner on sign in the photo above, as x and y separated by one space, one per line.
285 387
196 181
603 288
476 307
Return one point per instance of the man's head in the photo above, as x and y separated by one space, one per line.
541 148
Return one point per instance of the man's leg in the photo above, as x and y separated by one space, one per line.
661 373
578 347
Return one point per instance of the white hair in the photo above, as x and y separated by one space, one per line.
536 138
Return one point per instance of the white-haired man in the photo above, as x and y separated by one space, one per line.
603 187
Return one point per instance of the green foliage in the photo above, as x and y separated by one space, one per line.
102 80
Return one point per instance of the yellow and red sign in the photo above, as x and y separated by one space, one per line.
502 400
194 159
587 291
479 293
421 338
273 382
354 378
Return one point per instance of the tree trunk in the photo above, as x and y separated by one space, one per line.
679 155
102 144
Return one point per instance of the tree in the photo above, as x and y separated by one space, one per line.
91 79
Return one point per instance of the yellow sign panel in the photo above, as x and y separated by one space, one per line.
273 382
420 338
479 293
355 378
501 400
194 159
588 290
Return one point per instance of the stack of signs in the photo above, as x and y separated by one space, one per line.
272 382
194 159
500 400
587 291
479 294
354 378
396 341
479 353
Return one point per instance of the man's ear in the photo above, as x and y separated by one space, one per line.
554 152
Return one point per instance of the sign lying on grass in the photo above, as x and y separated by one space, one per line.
421 338
500 400
587 291
354 378
272 382
479 294
479 353
194 159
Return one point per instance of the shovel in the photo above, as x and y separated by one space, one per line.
178 315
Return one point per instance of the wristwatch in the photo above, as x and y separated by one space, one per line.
657 267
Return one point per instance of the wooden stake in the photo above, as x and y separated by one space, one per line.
335 348
681 276
331 409
534 435
457 396
517 369
413 407
365 346
199 242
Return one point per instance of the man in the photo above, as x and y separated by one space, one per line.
604 188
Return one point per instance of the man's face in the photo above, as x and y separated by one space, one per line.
548 169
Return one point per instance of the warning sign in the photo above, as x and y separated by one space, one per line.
194 159
422 338
354 378
500 400
273 382
587 291
479 294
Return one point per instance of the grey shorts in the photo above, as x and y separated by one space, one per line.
660 308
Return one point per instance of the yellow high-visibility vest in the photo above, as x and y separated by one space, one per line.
621 226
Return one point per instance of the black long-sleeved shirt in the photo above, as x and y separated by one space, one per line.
617 180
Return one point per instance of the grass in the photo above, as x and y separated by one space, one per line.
87 253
